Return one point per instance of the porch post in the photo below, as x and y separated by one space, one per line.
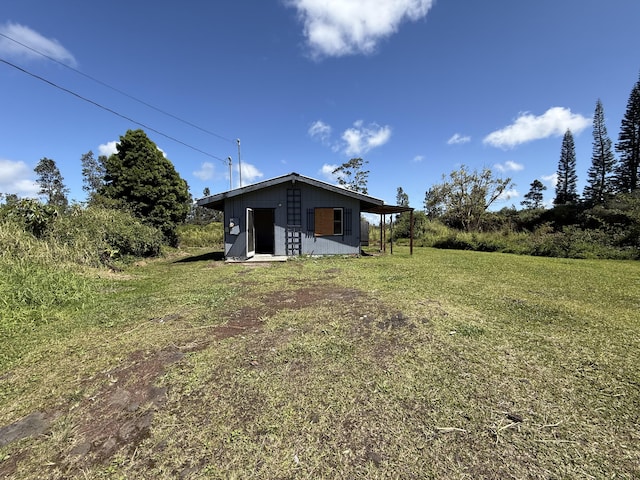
411 232
391 235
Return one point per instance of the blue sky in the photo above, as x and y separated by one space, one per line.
415 87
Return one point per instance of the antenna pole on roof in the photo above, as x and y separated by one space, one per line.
239 163
230 173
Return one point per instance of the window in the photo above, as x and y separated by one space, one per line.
328 221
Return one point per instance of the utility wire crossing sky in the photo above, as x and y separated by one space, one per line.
415 87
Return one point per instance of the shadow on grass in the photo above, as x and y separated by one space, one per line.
211 256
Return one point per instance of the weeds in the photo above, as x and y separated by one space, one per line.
444 364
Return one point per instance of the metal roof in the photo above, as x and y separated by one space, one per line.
367 203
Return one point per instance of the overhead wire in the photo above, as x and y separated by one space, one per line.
104 84
110 110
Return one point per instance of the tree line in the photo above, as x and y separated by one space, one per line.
137 178
608 210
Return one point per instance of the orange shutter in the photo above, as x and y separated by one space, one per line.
324 221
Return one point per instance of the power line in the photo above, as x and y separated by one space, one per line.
118 90
110 110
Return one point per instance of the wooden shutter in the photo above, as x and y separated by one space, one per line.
323 221
347 228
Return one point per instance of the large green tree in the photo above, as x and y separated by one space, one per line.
139 177
600 175
566 188
51 183
628 146
352 176
463 197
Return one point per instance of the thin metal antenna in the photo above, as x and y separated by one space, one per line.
230 173
239 163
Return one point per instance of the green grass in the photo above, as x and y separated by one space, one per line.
444 364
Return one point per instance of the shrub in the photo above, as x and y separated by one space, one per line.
210 235
35 217
94 235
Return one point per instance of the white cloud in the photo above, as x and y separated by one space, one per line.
335 28
320 131
458 139
15 178
206 172
107 149
32 39
508 195
360 139
327 172
249 174
356 140
418 158
527 127
551 179
509 166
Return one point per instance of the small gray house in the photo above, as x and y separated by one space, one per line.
293 215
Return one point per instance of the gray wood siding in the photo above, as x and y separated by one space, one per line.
276 198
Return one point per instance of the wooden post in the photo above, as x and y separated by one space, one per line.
384 237
391 235
411 232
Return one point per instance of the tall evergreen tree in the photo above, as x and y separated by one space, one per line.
628 146
51 183
600 174
566 188
535 197
143 180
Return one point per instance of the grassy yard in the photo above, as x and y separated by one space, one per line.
444 364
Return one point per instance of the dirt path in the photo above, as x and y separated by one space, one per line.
119 415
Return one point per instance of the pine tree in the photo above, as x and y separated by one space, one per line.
535 197
144 181
566 188
600 175
628 146
51 183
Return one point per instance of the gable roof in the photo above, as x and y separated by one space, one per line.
367 203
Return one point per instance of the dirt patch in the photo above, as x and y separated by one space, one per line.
29 426
118 415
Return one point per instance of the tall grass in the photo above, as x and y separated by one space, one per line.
43 278
36 285
210 235
544 241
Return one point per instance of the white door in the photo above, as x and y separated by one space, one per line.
251 234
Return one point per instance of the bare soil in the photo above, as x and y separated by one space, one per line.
118 416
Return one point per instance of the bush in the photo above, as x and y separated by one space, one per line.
33 281
210 235
94 235
33 216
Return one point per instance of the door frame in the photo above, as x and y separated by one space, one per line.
251 234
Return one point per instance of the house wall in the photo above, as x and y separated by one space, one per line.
275 197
